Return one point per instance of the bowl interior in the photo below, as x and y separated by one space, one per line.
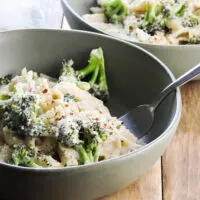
134 77
81 7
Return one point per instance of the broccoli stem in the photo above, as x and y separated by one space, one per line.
88 155
87 70
179 10
95 71
4 97
151 13
93 64
113 7
95 154
85 158
102 78
94 76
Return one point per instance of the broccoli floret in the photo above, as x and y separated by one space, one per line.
87 156
151 13
179 10
157 14
154 19
19 115
68 135
171 9
98 80
4 97
84 138
190 21
68 132
166 12
67 72
114 10
23 157
84 157
91 78
89 151
91 136
5 80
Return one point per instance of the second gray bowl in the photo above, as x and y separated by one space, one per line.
179 58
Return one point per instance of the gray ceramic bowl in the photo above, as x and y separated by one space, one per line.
178 58
134 77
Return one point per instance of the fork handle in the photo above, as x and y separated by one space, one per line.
176 84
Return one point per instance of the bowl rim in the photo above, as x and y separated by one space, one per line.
173 123
127 40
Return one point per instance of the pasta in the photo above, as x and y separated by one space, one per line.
48 122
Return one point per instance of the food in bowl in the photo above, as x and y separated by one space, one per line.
48 122
148 21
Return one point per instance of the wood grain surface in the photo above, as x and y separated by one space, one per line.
181 162
148 187
180 166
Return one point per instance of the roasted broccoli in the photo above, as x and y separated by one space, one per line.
19 115
84 138
154 19
5 80
114 10
91 78
23 157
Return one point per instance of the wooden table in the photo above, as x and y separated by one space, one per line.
176 175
